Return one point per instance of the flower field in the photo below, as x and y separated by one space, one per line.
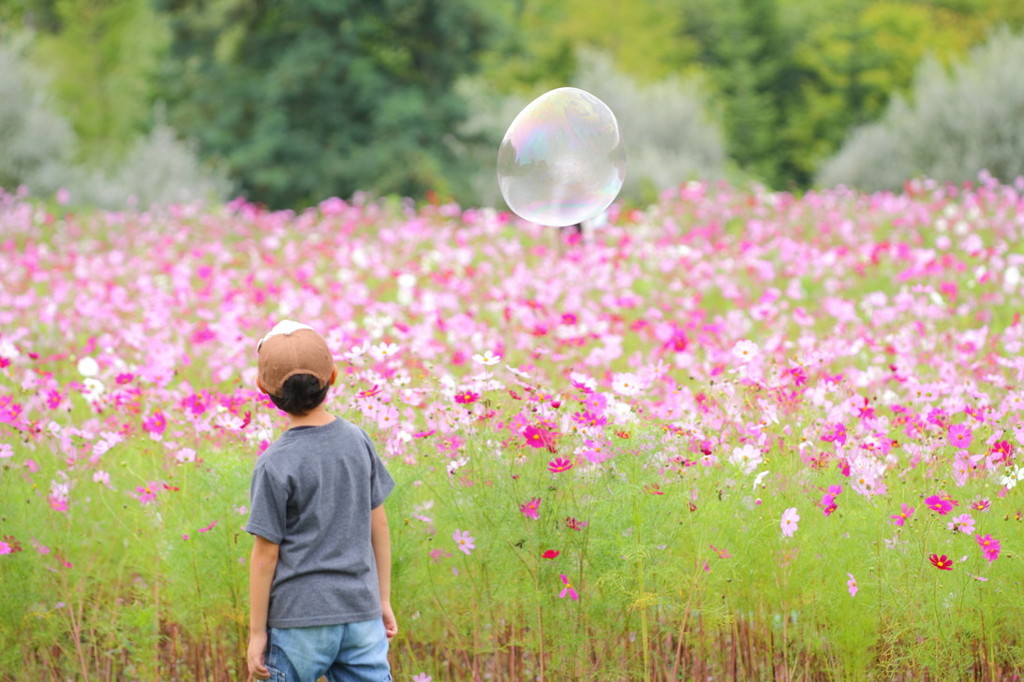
738 435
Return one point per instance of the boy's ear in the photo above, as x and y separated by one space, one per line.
259 387
334 377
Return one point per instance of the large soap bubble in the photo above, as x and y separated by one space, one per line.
562 160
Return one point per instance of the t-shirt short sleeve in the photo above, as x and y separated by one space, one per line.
381 482
267 502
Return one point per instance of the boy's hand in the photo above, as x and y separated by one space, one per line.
257 648
390 624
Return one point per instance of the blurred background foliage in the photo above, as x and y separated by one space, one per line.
293 101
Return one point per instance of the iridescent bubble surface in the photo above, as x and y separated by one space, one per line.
562 160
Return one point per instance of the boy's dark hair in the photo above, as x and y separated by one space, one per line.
300 394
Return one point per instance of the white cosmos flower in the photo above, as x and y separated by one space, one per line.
759 478
94 388
746 458
745 350
383 351
486 358
1011 479
88 367
626 383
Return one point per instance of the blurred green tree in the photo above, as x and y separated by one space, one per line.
305 99
746 50
103 56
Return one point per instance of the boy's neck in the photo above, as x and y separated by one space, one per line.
318 417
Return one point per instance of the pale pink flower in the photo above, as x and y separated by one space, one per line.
961 524
464 541
851 585
789 522
745 350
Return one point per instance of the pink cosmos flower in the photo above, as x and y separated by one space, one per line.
1001 453
538 437
464 540
568 590
789 522
550 554
905 513
559 464
981 505
53 399
5 548
146 494
959 436
990 547
155 423
587 418
595 403
422 677
940 505
828 500
531 509
851 585
943 563
572 523
961 524
722 553
466 397
594 451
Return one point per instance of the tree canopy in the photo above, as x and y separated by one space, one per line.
298 100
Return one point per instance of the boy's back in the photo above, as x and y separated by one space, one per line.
312 492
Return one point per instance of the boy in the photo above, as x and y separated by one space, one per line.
320 574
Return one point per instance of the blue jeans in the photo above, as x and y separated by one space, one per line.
353 652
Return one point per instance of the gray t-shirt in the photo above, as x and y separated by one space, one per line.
312 492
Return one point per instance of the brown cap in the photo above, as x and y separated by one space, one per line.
292 348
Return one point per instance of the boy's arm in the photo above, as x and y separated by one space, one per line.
261 575
380 538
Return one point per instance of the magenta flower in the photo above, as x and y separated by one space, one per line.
789 522
5 548
559 464
466 397
538 436
851 585
531 509
587 418
568 590
464 541
155 423
943 563
905 513
1001 453
981 505
990 547
828 500
959 436
940 505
